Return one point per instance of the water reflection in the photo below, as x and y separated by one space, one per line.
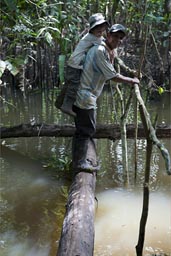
117 222
32 206
23 248
33 197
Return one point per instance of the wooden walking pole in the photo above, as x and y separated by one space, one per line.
151 139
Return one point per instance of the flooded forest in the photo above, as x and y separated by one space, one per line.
123 209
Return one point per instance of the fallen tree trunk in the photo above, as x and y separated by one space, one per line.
77 235
109 131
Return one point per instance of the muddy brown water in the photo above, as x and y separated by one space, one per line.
34 189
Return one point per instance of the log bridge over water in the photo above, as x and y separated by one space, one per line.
77 235
103 131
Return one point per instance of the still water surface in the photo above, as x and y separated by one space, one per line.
34 189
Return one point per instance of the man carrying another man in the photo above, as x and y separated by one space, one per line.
98 68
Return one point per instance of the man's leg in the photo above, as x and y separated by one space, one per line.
85 123
73 80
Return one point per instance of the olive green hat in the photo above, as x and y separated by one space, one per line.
97 19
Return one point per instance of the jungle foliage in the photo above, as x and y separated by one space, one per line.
37 36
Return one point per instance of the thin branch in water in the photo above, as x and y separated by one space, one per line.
144 215
136 101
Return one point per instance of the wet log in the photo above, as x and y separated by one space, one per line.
109 131
77 235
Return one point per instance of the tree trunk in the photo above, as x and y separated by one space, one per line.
109 131
77 236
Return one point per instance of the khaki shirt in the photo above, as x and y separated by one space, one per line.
97 70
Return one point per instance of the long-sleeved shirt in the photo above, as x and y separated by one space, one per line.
78 56
97 70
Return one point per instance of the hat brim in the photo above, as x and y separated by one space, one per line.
118 30
99 23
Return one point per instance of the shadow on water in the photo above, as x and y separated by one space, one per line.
34 190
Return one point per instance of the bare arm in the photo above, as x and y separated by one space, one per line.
124 79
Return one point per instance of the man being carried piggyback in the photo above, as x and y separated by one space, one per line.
97 26
98 68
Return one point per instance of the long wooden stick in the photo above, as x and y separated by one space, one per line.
144 215
145 115
136 101
151 138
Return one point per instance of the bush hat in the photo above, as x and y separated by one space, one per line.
97 19
117 27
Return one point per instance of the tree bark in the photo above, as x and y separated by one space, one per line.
108 131
77 235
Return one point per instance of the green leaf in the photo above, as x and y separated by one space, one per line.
160 90
13 69
41 31
61 67
55 29
49 38
2 67
166 33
